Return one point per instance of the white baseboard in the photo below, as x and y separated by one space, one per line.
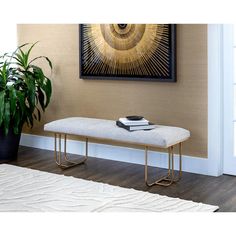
117 153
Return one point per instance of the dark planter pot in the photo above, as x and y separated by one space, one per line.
9 145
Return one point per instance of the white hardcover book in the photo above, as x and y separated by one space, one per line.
125 121
142 127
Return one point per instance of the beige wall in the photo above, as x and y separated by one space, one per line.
181 104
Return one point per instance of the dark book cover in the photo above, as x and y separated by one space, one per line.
137 127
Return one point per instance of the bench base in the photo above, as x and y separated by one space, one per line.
170 177
63 162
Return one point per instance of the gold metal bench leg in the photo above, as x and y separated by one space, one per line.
65 162
180 160
170 177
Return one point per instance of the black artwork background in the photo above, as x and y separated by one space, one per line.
88 53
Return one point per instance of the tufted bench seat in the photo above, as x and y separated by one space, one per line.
162 137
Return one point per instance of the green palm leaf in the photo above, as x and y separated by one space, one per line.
23 87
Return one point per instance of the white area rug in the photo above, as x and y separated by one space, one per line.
23 189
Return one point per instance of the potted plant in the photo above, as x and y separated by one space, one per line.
25 91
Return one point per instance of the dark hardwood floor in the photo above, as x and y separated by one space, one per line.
219 191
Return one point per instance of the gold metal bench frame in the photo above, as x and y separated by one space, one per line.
64 162
170 177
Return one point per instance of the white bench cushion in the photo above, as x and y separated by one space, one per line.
161 136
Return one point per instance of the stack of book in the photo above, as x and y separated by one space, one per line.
132 125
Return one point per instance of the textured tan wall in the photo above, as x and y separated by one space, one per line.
181 104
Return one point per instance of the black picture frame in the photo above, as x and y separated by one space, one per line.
172 62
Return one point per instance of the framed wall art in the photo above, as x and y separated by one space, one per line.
128 52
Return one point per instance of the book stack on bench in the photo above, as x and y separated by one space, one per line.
132 123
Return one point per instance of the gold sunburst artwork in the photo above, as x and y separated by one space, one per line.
128 51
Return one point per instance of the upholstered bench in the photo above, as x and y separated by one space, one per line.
165 137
